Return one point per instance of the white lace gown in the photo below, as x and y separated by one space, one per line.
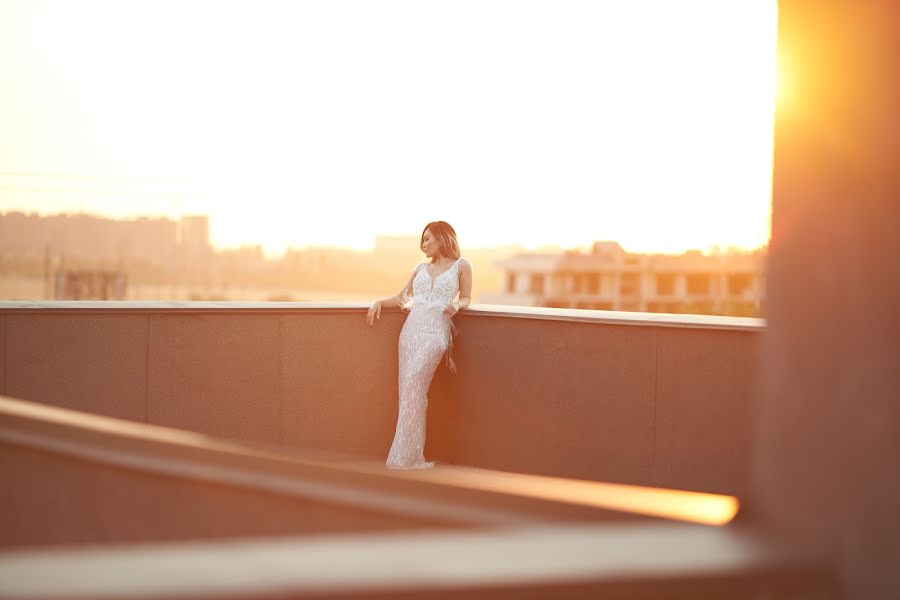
425 338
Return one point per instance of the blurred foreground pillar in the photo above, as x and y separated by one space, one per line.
827 464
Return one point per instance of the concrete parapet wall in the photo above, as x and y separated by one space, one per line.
637 398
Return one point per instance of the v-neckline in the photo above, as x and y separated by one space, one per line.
434 279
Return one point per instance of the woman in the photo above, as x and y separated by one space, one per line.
427 335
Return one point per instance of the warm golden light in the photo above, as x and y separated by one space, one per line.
694 507
312 123
782 79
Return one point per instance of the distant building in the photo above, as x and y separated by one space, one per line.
90 285
609 278
88 237
325 260
246 259
194 232
193 238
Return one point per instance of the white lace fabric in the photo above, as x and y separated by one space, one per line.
426 336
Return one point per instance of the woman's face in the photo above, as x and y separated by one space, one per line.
430 245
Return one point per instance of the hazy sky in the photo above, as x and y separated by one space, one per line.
328 122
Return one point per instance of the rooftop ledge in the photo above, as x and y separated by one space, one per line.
477 310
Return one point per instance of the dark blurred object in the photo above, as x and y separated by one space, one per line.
828 414
90 285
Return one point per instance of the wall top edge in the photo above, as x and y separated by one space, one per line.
477 310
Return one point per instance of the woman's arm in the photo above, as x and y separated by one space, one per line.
395 300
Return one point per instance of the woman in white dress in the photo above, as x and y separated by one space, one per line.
427 335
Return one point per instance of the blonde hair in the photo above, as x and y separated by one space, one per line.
445 235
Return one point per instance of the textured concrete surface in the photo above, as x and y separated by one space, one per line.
644 401
2 354
96 363
704 395
560 398
216 374
339 382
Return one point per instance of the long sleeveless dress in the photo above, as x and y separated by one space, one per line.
426 336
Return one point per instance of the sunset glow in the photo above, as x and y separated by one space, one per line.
323 123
